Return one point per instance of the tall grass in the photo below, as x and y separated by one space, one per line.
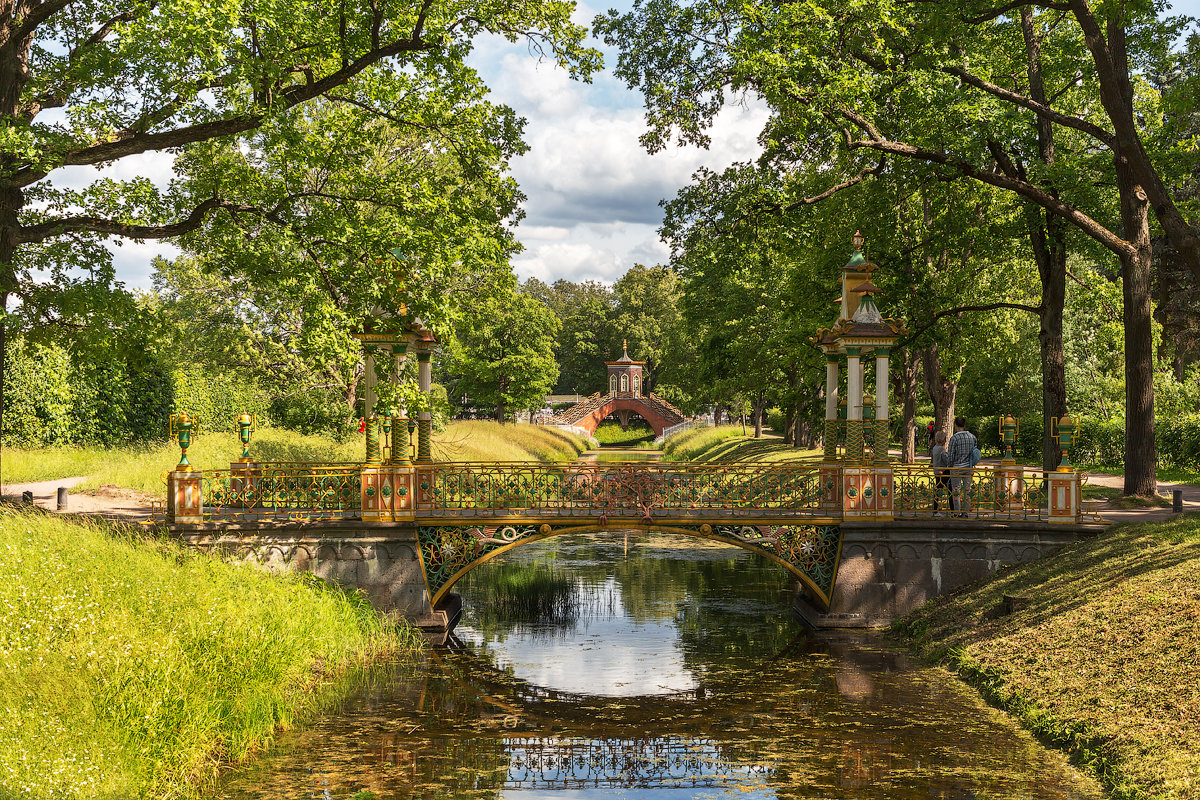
691 443
491 441
131 667
142 467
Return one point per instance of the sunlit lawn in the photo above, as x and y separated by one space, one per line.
142 467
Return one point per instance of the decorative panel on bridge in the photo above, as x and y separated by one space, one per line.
647 492
811 552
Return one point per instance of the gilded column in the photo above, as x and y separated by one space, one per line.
370 398
854 410
400 447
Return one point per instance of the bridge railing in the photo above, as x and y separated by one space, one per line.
982 492
265 491
469 490
280 491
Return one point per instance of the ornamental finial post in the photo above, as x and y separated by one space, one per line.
182 427
247 424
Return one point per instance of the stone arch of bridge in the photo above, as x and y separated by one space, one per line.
638 405
817 571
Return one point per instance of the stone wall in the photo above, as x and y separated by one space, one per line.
890 568
380 558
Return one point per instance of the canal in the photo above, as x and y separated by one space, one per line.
640 665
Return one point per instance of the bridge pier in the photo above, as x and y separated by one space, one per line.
380 559
889 569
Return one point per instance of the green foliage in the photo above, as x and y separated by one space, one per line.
131 666
503 358
217 398
103 397
38 395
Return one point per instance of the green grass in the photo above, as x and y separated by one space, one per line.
1115 499
610 434
491 441
1101 662
133 667
726 444
142 467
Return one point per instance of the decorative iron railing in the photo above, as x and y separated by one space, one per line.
282 490
617 490
1014 492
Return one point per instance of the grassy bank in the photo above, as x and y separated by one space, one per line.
726 444
1101 662
132 667
142 467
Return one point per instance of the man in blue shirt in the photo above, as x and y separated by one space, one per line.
960 452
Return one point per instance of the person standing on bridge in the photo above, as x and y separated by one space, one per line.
962 453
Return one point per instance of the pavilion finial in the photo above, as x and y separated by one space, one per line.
625 347
858 240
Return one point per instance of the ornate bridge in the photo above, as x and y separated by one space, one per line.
455 516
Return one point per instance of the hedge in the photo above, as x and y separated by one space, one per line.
52 399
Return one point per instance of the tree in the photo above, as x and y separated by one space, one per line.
503 356
90 83
587 335
933 83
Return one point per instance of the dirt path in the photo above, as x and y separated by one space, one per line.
108 501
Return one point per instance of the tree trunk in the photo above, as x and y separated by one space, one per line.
760 403
905 380
1047 238
942 391
1140 455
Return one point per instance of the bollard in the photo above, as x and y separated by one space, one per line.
1177 501
27 498
62 498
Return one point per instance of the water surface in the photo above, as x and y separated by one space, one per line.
663 667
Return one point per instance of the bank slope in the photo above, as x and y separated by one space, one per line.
1104 658
132 667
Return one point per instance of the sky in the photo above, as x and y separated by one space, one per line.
592 208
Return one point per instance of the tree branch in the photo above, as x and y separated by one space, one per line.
31 234
962 309
1109 140
128 142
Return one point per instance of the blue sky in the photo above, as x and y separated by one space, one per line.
592 209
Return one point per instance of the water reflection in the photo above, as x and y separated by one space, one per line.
678 674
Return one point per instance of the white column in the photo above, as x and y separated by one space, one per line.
854 385
831 386
881 384
370 396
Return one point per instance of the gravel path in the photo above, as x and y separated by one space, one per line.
107 501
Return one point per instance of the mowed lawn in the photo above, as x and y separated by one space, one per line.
1102 661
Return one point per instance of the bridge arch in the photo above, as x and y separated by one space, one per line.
810 551
658 417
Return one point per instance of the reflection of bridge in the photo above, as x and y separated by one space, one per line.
406 534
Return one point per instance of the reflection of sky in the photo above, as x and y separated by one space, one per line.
608 654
